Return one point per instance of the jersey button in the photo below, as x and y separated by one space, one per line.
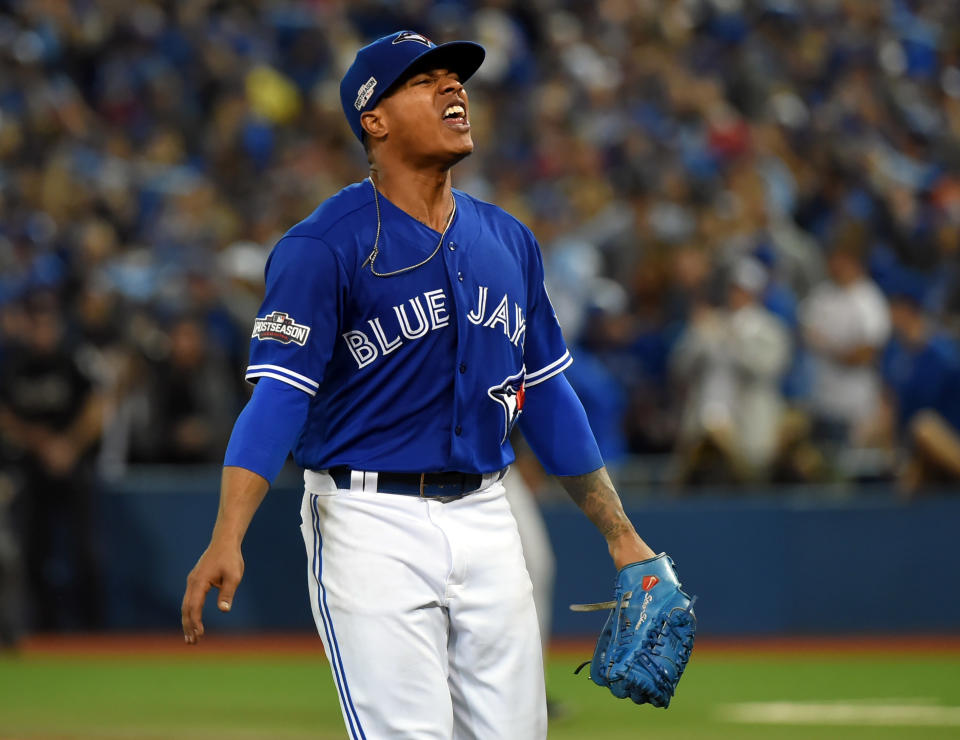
460 276
457 430
453 246
463 368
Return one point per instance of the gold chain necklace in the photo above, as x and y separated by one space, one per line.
372 257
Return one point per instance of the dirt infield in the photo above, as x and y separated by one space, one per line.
307 645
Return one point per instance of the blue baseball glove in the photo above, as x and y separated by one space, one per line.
648 637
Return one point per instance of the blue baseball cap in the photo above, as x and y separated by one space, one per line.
380 64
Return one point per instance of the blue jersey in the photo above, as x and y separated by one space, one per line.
922 378
425 370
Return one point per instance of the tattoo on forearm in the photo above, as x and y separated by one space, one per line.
597 498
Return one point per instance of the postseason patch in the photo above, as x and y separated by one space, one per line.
364 93
279 327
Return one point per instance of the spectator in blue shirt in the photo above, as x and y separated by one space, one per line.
921 369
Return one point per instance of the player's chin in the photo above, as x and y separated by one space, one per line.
457 135
456 148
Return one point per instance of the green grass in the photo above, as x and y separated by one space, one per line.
714 681
247 697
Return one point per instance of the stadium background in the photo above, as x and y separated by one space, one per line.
693 170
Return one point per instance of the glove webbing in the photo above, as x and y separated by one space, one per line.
655 640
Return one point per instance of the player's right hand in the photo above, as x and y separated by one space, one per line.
220 568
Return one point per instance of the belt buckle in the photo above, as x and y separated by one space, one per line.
441 499
457 496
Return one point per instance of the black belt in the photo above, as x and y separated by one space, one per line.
426 485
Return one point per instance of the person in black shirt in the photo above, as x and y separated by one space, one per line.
51 417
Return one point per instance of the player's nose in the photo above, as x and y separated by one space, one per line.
451 85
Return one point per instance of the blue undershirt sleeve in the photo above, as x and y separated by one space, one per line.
556 428
267 428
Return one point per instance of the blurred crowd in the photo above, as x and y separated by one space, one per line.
749 210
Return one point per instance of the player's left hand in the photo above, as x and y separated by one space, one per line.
219 567
647 639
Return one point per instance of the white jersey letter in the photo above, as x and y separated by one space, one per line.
422 326
360 347
500 316
386 347
521 325
475 317
436 302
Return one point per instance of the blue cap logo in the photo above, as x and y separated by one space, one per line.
380 64
411 36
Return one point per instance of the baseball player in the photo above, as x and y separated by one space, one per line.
404 331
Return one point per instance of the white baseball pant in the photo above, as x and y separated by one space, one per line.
426 613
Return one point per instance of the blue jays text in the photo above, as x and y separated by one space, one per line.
430 314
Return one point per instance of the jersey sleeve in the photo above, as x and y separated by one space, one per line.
545 352
295 330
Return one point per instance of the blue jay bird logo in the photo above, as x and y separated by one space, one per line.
510 395
411 36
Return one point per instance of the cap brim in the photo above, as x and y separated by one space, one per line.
462 57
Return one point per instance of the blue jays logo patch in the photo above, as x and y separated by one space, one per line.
411 36
279 327
510 395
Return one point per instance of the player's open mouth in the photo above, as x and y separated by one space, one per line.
455 116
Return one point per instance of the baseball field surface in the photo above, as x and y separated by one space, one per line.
280 688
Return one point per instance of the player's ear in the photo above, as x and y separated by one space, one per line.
374 123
